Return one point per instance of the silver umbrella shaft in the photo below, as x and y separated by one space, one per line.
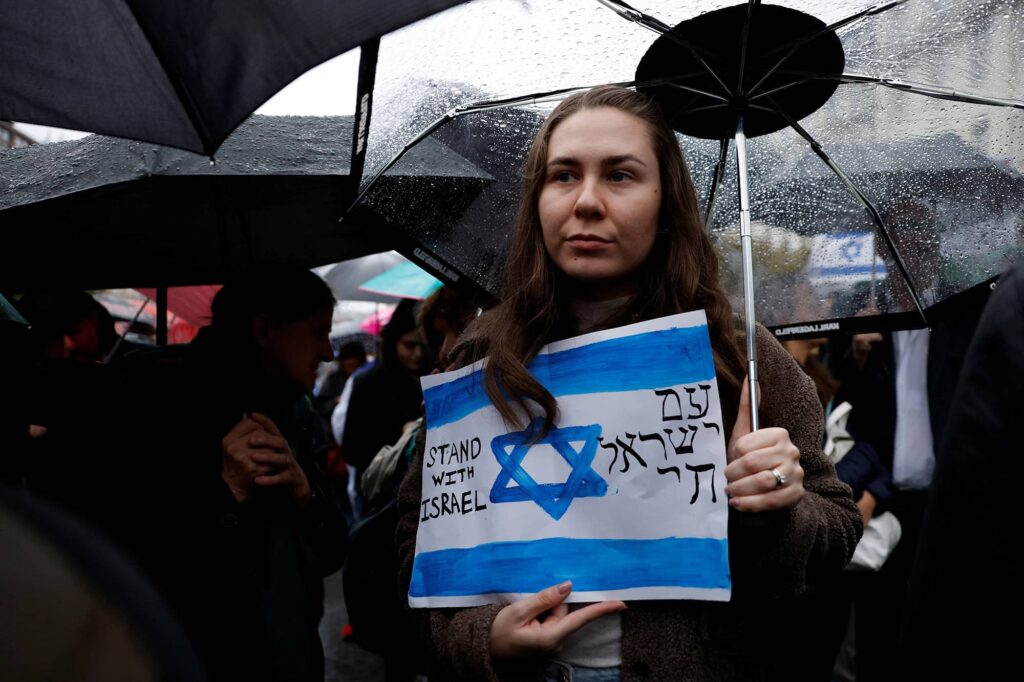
748 271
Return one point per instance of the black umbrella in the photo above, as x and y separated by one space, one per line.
104 212
182 74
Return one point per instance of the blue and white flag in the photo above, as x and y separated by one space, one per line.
842 260
624 495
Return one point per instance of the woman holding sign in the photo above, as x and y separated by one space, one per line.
609 233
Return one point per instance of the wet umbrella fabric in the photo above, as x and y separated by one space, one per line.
835 96
181 74
108 213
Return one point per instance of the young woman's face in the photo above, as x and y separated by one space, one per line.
409 350
600 200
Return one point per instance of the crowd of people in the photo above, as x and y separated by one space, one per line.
236 473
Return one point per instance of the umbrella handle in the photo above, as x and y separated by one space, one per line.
748 271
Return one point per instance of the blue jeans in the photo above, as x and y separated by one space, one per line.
556 671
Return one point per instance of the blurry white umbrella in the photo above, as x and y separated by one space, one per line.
346 277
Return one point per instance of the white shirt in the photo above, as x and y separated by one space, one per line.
341 412
599 643
913 457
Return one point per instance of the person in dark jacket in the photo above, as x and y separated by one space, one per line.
901 384
965 574
386 397
350 358
822 614
211 483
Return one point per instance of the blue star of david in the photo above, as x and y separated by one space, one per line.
851 250
553 498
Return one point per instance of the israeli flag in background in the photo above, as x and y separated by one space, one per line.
844 259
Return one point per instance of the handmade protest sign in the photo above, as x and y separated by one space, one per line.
624 495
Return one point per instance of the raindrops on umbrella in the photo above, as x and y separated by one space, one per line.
921 113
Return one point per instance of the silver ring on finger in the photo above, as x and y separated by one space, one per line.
780 480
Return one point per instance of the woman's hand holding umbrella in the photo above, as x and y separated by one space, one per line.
764 471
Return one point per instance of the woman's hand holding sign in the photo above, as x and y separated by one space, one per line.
764 471
519 630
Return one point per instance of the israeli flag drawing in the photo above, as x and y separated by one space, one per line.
624 495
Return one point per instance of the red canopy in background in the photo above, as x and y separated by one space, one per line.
191 307
191 304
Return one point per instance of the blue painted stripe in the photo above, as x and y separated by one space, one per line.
657 359
850 270
591 564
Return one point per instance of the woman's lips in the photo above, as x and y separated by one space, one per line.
588 242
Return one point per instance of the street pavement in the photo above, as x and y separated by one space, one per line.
344 661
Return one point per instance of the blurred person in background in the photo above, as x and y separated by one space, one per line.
901 384
327 396
375 607
384 399
822 615
952 631
64 373
442 318
203 469
69 325
349 359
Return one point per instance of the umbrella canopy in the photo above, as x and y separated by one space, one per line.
954 213
136 311
102 213
943 168
892 118
377 321
405 280
181 74
192 304
346 277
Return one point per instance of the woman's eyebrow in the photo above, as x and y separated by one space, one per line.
622 158
563 161
607 161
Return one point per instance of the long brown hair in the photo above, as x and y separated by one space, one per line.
679 275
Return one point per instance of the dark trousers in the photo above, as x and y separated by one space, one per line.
880 597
